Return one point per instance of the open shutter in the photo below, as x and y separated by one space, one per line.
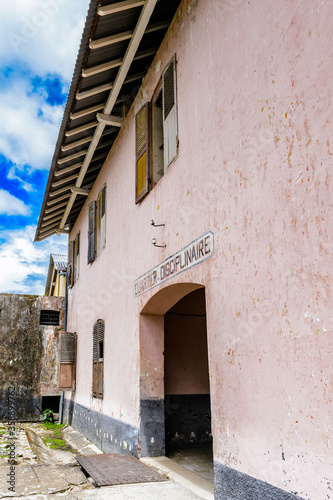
142 167
101 358
92 232
70 264
103 217
67 360
95 361
77 257
170 124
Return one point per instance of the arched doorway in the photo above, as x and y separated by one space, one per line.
174 384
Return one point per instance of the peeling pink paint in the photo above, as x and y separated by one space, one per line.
254 166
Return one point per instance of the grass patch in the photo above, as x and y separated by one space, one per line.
54 438
57 444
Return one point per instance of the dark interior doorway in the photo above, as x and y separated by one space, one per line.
51 403
188 437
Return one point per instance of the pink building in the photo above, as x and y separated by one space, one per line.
193 173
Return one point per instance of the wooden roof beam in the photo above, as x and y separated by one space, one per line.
50 210
64 171
86 111
71 157
83 192
115 63
63 181
109 120
108 86
51 223
119 7
83 128
59 191
126 35
53 202
110 40
76 144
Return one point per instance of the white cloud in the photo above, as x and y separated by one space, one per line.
31 126
12 175
24 264
9 205
45 34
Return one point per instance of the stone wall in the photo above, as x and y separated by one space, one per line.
28 353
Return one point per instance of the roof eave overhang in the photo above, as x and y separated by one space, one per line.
69 180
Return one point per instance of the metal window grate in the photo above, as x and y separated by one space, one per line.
49 318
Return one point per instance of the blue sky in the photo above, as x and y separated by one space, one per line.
39 44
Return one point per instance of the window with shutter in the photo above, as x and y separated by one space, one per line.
98 359
170 125
142 168
101 221
92 232
67 357
95 360
156 127
76 257
70 264
103 217
101 357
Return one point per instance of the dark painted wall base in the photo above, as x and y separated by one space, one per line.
187 420
231 484
152 427
108 434
23 404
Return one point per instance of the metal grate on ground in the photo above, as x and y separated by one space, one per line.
112 469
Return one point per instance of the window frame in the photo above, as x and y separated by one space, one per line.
140 152
67 360
98 360
169 131
73 270
96 237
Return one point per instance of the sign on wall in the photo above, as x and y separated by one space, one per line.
196 252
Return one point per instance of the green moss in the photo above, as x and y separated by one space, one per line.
54 438
54 428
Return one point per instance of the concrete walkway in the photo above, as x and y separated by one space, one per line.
55 480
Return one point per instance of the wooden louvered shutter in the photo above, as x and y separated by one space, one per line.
103 217
76 257
170 124
92 232
70 264
67 355
95 361
100 357
142 166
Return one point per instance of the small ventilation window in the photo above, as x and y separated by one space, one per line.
49 318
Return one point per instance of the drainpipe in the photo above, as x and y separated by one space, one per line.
61 410
61 407
66 302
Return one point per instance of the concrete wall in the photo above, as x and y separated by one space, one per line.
185 347
28 353
254 167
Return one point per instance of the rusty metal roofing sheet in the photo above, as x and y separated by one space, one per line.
110 469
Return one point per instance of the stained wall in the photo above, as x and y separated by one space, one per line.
28 353
255 167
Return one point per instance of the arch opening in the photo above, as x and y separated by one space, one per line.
174 383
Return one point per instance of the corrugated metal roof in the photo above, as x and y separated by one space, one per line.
113 50
60 261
